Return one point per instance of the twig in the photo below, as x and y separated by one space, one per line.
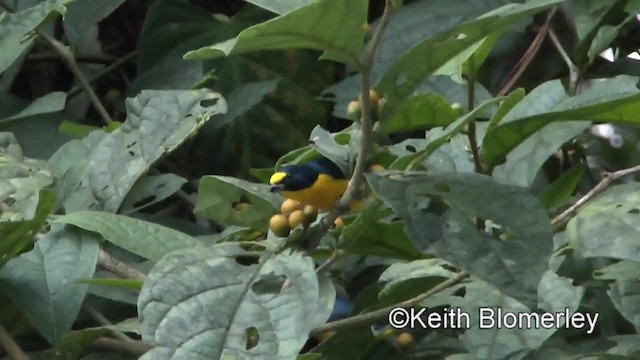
67 57
102 320
354 188
472 133
602 185
116 64
131 348
332 259
528 56
51 56
381 314
574 72
118 267
10 346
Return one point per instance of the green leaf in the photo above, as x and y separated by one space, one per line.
280 6
438 211
586 50
325 144
615 235
420 112
506 106
82 14
624 270
42 281
114 282
407 73
370 234
217 196
149 240
334 28
21 179
100 177
49 103
241 100
611 100
524 162
17 235
176 304
77 342
149 190
418 269
109 286
562 189
625 295
75 129
15 29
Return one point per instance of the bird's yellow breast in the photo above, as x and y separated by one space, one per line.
323 194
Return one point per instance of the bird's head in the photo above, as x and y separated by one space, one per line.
293 178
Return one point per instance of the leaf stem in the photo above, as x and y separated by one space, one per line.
116 64
574 72
607 179
356 183
118 267
381 314
102 320
10 346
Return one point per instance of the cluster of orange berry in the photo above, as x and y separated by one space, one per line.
354 108
294 214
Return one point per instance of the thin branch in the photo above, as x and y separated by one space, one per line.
472 133
602 185
51 56
335 256
528 56
116 64
381 314
118 267
102 320
68 58
356 183
10 346
574 72
131 348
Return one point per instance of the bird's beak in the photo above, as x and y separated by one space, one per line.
277 187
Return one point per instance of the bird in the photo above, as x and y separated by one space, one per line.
319 183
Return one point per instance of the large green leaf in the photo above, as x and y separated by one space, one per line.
608 225
609 100
218 195
49 103
21 180
101 176
15 28
280 6
42 281
411 69
149 190
18 235
438 211
205 304
625 295
82 14
143 238
561 189
333 27
421 112
408 26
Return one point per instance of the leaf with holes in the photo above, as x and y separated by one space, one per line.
219 303
42 281
615 235
15 29
157 123
439 209
341 38
219 195
150 190
411 69
149 240
21 179
613 100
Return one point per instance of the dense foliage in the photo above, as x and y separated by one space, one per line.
138 137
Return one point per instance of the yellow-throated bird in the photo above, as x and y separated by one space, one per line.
319 183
